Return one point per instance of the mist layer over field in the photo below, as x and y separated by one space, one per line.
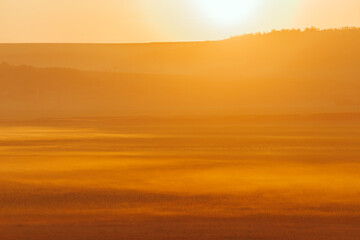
280 177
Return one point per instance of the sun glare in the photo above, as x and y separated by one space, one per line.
227 12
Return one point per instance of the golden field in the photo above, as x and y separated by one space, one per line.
205 177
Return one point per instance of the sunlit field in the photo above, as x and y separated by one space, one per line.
215 177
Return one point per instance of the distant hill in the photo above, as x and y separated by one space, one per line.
279 72
28 92
253 54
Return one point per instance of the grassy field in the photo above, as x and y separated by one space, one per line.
259 177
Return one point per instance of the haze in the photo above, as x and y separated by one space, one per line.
251 137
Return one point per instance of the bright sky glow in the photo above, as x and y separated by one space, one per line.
93 21
228 12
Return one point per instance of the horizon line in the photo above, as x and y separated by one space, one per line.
193 41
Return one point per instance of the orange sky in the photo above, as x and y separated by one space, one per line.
163 20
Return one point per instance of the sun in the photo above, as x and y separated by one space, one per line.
227 12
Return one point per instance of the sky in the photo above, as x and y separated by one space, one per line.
132 21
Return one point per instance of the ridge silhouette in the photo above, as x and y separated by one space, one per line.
281 72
